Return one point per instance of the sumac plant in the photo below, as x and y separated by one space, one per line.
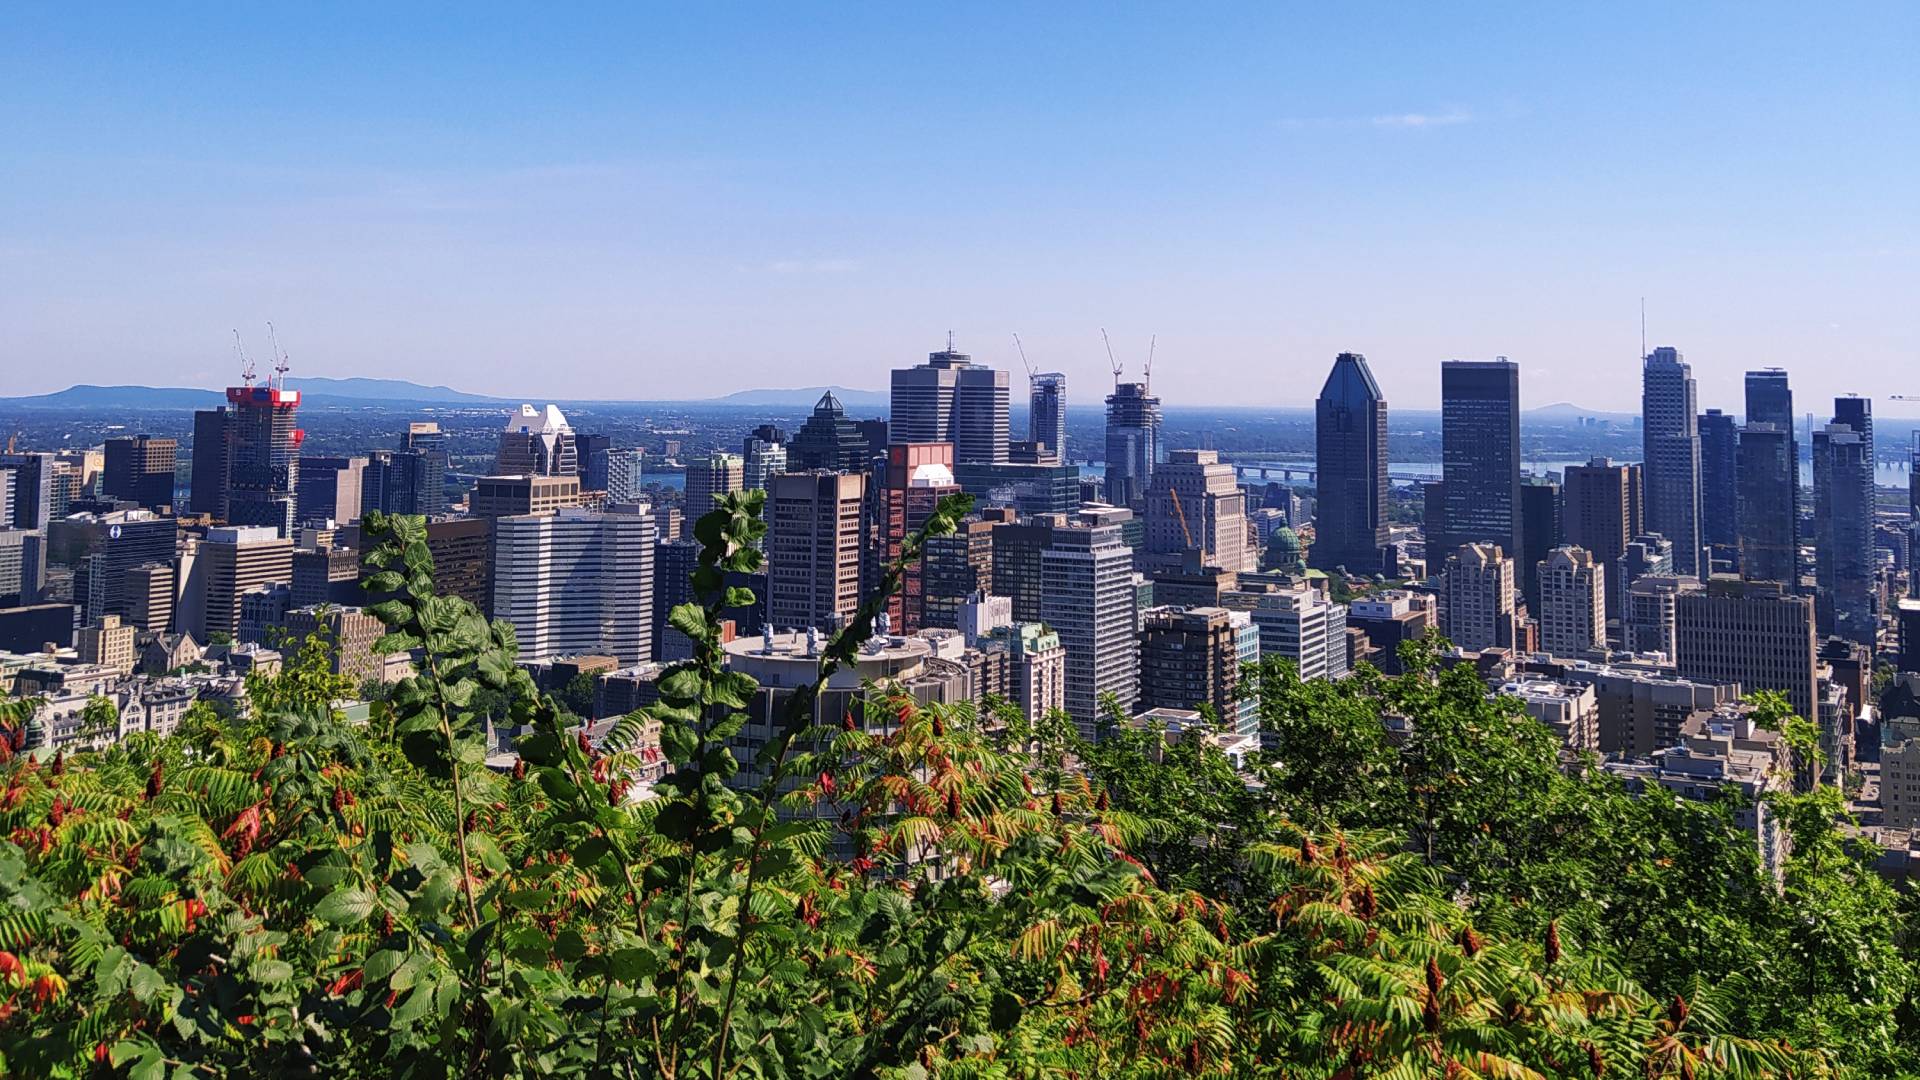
890 892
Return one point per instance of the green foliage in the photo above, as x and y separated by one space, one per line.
903 891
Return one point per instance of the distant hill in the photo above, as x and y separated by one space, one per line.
313 391
1566 410
387 390
805 396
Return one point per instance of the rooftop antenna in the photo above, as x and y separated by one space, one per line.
1152 342
1643 328
1110 357
949 341
246 365
1023 356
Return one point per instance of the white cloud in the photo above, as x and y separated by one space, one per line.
1423 120
811 266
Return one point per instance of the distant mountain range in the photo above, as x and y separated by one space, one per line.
805 396
315 391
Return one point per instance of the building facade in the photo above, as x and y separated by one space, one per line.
1350 471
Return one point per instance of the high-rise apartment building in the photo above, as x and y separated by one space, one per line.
958 566
1039 668
23 567
951 399
1350 463
106 641
917 477
230 563
1133 443
577 581
813 548
710 479
1195 504
1600 510
1189 657
1843 511
1017 555
1047 416
1477 597
1088 598
1720 484
1670 433
1480 456
1389 619
462 550
329 488
140 467
404 481
1751 633
150 590
828 440
537 442
1573 602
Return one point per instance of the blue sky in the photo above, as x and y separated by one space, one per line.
653 201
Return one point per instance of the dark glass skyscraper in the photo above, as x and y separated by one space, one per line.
1719 482
207 487
1843 499
1480 456
1047 412
1350 443
828 440
1671 436
1769 482
263 455
1133 442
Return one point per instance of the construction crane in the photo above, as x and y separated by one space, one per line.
1110 356
1023 357
280 361
11 440
1152 343
1180 515
246 365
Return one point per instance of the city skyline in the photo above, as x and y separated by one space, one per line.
634 200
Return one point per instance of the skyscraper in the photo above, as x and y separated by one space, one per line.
1480 455
1302 625
917 477
828 440
1671 438
1573 602
1843 508
1719 483
263 455
140 467
1190 657
813 547
763 456
32 488
1196 504
1750 633
1047 413
1539 534
329 488
430 473
589 452
577 581
230 563
1769 505
537 442
709 479
950 399
623 475
1133 443
1350 462
1600 510
207 493
1088 598
1477 598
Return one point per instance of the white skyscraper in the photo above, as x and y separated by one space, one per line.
577 581
624 484
1573 602
1088 598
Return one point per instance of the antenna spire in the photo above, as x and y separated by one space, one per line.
1643 328
949 341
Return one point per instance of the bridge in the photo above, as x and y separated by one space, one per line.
1286 471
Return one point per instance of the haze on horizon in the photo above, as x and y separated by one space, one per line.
657 202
